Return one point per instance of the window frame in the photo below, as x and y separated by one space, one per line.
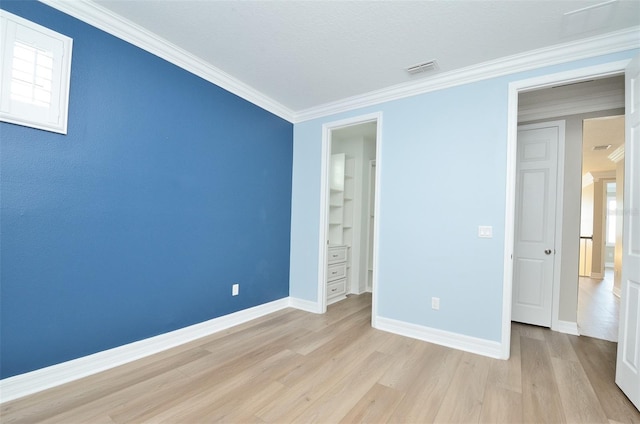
53 117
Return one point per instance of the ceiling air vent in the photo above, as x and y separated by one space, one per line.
422 67
602 147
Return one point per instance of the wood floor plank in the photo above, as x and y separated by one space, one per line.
422 402
149 405
560 346
530 331
501 406
116 400
463 401
540 396
579 401
320 374
402 373
508 374
597 358
250 404
60 400
376 406
336 402
215 403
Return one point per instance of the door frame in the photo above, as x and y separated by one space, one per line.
327 129
515 87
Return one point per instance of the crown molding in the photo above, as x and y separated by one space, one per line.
603 175
587 180
582 49
101 18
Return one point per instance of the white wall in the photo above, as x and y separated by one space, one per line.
586 211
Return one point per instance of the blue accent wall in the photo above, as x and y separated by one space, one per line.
165 191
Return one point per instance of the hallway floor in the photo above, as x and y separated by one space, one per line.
598 308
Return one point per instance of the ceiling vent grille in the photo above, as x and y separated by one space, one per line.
422 67
602 147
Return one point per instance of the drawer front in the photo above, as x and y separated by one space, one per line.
337 254
337 288
337 271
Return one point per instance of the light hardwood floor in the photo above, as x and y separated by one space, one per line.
293 366
598 307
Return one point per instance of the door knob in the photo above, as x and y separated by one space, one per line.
547 252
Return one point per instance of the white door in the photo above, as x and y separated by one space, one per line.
628 360
535 222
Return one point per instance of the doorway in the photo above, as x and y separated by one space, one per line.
601 227
592 101
563 315
348 208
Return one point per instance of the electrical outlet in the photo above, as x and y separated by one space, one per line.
435 303
235 289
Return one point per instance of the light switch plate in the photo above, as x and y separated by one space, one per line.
485 231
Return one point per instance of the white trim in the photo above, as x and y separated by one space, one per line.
444 338
305 305
327 128
557 261
575 75
603 175
567 327
597 275
104 19
509 221
376 223
25 384
617 291
562 53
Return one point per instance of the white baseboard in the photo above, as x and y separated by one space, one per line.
617 291
566 327
453 340
597 275
304 305
55 375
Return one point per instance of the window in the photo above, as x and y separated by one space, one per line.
35 73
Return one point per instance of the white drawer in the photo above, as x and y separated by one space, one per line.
337 254
337 271
337 288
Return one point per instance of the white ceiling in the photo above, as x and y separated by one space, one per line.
303 54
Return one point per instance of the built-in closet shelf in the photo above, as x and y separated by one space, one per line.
341 208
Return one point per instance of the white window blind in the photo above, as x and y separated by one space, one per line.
36 67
